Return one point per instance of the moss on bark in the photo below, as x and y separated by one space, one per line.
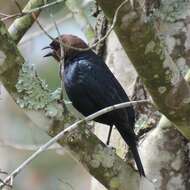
148 53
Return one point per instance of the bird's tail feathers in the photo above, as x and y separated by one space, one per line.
137 160
130 138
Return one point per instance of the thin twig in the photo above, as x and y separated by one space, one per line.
63 92
18 6
105 36
11 16
97 42
42 7
32 10
48 28
41 27
4 15
62 133
112 26
59 38
25 147
66 45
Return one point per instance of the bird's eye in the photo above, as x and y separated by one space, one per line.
55 45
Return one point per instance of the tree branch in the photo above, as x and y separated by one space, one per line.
68 132
148 54
89 148
22 24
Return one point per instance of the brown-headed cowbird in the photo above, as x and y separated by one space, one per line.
91 86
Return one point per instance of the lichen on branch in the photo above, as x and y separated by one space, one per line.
20 79
147 51
34 93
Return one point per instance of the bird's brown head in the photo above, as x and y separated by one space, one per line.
69 41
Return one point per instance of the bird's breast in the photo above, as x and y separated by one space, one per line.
72 81
70 75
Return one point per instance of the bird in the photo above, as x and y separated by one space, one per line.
91 86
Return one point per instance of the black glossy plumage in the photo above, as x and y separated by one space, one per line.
91 86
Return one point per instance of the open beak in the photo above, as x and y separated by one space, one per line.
48 54
47 47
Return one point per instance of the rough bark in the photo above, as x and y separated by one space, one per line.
21 25
16 78
165 156
164 152
148 54
168 162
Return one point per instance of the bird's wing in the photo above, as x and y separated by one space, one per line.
97 83
101 88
